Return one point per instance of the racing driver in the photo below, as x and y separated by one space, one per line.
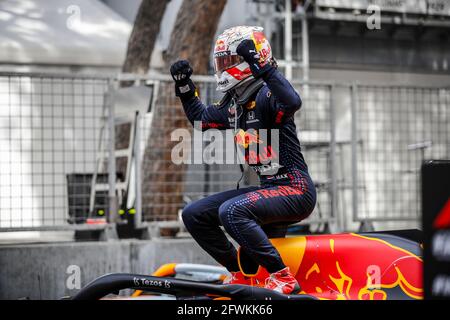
256 96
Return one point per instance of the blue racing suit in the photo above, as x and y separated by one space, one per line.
286 193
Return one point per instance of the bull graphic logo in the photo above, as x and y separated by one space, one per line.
220 45
246 138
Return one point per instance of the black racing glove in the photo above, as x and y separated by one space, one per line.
247 50
181 72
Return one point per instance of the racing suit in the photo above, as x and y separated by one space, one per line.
252 215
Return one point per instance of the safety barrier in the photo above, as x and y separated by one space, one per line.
75 154
50 139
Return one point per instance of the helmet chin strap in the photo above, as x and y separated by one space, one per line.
244 90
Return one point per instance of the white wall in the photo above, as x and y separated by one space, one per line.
61 32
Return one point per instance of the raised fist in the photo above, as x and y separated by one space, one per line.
247 50
181 71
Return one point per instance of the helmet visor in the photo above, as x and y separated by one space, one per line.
225 62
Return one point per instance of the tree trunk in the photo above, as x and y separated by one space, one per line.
191 39
193 33
143 37
137 60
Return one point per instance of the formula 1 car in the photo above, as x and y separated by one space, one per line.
348 266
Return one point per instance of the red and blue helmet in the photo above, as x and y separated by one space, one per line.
230 68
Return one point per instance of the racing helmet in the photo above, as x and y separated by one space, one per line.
230 68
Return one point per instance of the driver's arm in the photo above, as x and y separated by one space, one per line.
210 116
285 101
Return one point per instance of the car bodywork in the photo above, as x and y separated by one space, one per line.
347 266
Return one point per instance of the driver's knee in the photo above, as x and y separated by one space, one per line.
225 213
196 214
190 214
231 214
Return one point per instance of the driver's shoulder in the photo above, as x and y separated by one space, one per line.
264 94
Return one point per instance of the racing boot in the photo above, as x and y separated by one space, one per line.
237 277
282 281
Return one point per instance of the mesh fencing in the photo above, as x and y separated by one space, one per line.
399 128
315 132
49 140
54 140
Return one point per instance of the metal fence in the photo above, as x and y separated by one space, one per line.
70 157
49 142
399 128
166 188
317 133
